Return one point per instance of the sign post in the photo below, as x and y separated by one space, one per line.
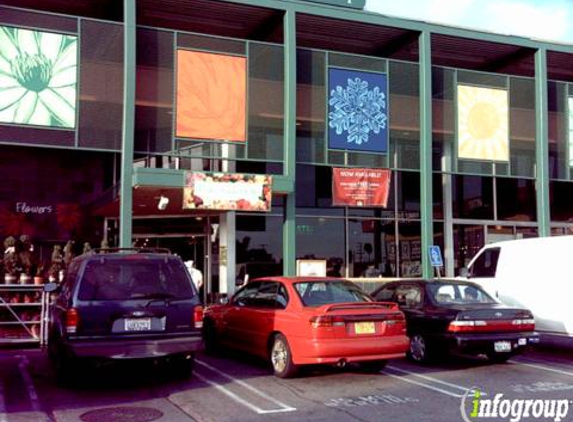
436 258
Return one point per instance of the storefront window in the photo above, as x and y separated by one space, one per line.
472 197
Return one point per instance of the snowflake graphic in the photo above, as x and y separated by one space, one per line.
357 110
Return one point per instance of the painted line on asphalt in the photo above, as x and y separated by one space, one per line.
3 415
34 399
421 384
236 397
542 367
283 407
436 380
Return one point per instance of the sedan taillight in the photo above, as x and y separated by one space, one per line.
198 316
72 320
326 321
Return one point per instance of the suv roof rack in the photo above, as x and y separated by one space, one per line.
143 249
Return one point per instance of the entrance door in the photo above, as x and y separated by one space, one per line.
188 247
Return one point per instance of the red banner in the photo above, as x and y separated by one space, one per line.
360 187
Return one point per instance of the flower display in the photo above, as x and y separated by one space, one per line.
38 77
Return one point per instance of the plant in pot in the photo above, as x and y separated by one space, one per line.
57 264
11 267
26 259
39 277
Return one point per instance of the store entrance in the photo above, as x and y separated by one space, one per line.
189 237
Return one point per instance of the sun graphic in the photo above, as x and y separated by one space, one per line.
483 123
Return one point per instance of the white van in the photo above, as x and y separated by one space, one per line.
536 273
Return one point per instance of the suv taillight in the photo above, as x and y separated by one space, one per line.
72 321
198 316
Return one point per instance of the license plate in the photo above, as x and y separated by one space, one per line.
502 346
522 341
139 324
364 328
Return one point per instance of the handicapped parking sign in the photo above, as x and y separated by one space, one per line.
436 256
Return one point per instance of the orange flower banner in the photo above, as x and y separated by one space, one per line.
224 191
211 96
360 187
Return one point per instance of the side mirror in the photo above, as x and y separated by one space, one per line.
51 287
464 272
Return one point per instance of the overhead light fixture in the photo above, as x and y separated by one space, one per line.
163 202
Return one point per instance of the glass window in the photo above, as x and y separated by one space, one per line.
486 263
282 297
317 293
321 238
409 296
246 295
472 197
560 194
516 199
386 293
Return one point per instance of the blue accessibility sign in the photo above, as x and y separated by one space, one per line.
436 256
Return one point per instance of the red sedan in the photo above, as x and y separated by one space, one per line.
295 321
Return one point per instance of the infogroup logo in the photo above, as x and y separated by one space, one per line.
475 408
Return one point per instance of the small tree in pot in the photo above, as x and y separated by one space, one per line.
11 264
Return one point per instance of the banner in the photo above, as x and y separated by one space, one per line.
224 191
38 78
211 96
360 187
483 123
357 111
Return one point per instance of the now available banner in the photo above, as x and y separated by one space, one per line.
360 187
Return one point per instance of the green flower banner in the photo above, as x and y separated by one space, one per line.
38 77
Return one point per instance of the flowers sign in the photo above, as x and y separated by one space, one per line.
224 191
38 78
357 111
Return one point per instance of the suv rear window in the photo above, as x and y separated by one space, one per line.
115 279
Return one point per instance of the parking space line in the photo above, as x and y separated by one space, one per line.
438 381
542 367
3 416
421 384
29 383
285 407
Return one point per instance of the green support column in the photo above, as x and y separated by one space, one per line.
426 208
289 222
541 144
126 184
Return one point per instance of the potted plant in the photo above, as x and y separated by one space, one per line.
26 259
39 277
57 264
10 260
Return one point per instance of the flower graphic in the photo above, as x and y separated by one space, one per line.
38 77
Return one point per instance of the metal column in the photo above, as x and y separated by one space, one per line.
289 222
426 208
541 144
126 194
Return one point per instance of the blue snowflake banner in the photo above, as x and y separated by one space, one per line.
357 110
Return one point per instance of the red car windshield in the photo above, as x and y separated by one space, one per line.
317 293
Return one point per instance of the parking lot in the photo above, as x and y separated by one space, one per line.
237 388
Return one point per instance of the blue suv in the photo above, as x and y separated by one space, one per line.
118 304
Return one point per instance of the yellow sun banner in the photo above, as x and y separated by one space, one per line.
483 123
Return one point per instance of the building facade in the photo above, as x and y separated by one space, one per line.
136 122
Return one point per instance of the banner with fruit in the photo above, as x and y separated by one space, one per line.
227 191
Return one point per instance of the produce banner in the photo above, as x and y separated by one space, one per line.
224 191
211 96
360 187
357 111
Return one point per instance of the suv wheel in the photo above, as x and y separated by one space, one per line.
182 365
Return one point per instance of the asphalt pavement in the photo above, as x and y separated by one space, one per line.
537 385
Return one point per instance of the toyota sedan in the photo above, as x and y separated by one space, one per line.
456 316
295 321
